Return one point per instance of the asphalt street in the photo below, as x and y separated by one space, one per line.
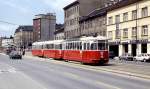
31 73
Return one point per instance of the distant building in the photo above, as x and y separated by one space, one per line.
59 32
94 23
78 9
23 37
0 41
44 27
7 42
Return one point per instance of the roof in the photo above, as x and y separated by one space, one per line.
24 28
122 3
72 4
59 28
96 13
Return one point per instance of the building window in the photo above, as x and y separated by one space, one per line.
125 33
144 12
110 34
145 30
125 16
118 34
134 15
117 18
134 31
110 20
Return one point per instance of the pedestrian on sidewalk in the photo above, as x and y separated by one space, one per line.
23 52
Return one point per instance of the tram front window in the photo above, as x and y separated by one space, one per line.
94 46
101 46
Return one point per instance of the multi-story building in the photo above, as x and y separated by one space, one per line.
0 41
7 42
128 27
1 44
59 32
76 10
23 37
95 23
44 27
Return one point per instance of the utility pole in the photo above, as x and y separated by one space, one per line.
137 7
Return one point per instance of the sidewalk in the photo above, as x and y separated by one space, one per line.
137 69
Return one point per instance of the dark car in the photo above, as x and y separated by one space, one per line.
15 55
127 57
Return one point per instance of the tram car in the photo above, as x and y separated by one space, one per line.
37 49
89 50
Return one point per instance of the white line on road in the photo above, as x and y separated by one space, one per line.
93 82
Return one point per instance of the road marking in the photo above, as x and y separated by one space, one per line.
95 82
104 70
71 75
107 85
3 54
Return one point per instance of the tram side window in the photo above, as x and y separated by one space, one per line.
33 47
44 47
50 46
88 46
94 46
47 46
66 44
40 47
71 46
85 46
80 45
58 46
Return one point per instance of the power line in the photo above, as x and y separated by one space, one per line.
8 22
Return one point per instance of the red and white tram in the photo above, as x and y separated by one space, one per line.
91 50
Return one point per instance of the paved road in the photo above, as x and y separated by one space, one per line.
34 74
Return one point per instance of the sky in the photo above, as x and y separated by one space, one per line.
21 12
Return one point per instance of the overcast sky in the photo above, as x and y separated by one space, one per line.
21 12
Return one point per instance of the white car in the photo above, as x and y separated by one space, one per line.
142 57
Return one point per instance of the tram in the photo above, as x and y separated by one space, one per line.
89 50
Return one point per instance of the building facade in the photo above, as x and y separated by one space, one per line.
23 37
44 27
7 42
94 24
128 27
78 9
0 41
59 32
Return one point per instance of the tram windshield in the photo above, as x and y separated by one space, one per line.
97 45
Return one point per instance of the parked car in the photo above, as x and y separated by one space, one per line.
142 57
15 55
126 56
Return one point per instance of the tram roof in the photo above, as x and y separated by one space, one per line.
37 43
93 38
48 42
